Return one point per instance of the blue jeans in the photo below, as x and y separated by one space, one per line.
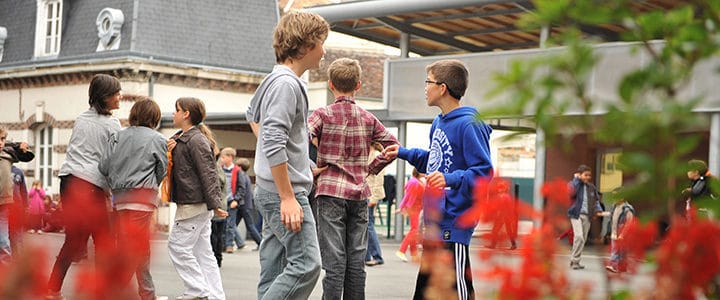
231 231
5 250
343 242
373 248
289 261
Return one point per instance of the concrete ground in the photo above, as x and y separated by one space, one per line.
393 280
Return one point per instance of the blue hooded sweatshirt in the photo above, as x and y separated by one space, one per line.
460 149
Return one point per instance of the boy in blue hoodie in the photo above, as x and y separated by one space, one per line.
459 154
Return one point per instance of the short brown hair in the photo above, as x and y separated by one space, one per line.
452 73
698 166
145 112
102 86
296 32
344 73
3 130
244 163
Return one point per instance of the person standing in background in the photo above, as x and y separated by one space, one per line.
377 193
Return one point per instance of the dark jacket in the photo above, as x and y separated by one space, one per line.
700 188
576 198
194 174
237 186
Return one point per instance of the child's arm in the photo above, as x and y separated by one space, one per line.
383 136
416 157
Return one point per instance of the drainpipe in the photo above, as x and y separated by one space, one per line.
714 151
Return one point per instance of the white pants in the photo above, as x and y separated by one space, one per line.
193 258
581 227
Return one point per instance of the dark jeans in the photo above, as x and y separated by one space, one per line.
231 232
217 238
343 243
86 214
373 248
246 214
133 227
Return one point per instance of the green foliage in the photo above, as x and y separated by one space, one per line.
647 120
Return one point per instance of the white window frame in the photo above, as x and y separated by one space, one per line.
44 155
48 28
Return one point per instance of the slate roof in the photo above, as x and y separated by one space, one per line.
225 34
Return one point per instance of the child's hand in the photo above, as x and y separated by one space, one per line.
436 180
233 204
171 144
391 152
23 147
317 171
220 213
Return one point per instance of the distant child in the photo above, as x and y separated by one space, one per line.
621 214
345 132
377 193
246 208
135 164
411 205
36 207
584 205
700 189
196 192
289 253
52 219
459 154
84 190
505 214
218 225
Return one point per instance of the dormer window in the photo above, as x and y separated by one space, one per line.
48 28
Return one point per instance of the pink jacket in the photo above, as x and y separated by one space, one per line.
36 204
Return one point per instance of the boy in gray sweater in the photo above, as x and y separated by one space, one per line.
289 252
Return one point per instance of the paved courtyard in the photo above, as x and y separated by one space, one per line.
393 280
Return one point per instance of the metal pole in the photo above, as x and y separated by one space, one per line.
400 185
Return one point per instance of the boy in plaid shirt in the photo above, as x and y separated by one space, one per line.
345 132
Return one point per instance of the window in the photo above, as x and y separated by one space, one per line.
48 28
44 155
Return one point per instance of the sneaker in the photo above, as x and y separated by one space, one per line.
401 256
576 266
513 245
229 249
31 231
371 263
241 246
611 268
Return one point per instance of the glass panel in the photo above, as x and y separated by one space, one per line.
611 176
57 10
49 8
48 28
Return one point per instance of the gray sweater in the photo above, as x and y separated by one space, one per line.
135 159
280 107
88 142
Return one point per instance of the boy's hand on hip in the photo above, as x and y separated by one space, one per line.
291 214
436 180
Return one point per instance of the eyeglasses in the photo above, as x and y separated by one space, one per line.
451 92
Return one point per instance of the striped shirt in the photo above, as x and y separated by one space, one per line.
345 132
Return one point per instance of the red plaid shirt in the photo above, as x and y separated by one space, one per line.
346 131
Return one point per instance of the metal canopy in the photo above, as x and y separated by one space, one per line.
452 26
